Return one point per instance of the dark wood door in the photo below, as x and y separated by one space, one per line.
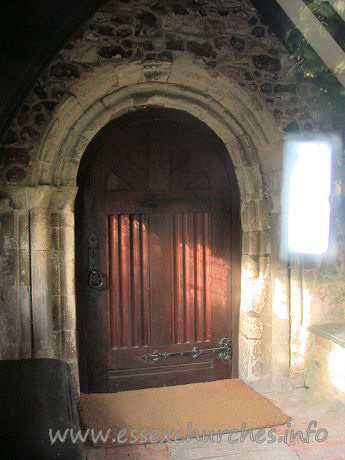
160 199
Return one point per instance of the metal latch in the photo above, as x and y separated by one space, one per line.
95 278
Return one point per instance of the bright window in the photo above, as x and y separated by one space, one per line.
306 195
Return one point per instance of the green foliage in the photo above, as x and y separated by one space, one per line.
308 65
322 9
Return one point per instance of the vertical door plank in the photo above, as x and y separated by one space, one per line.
221 273
128 278
136 285
199 279
189 276
114 282
125 276
160 281
207 275
144 249
179 309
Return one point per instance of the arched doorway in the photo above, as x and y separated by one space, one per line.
158 254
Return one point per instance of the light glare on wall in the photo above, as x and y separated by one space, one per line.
307 189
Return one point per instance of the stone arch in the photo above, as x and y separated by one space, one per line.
239 119
247 130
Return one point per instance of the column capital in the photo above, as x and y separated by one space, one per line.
19 197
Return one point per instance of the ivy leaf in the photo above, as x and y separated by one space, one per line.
322 9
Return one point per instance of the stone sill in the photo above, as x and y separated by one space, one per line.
334 332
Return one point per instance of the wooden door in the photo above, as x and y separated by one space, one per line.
161 203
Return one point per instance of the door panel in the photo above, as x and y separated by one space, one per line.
128 281
176 257
163 208
191 277
160 275
169 290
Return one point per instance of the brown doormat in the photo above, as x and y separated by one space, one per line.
131 416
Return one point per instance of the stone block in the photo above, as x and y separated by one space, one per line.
158 72
39 230
8 238
250 243
175 43
25 315
99 82
65 117
68 341
10 322
258 288
252 184
81 124
55 275
265 266
23 230
258 301
68 309
41 303
238 24
248 216
84 53
253 243
251 325
67 242
245 243
250 358
57 312
248 151
250 263
262 215
264 243
67 216
24 264
55 238
54 220
8 267
67 278
39 198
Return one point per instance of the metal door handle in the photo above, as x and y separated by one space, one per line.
95 280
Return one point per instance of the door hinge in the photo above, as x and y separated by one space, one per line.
224 351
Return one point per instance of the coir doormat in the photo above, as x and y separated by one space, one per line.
176 412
